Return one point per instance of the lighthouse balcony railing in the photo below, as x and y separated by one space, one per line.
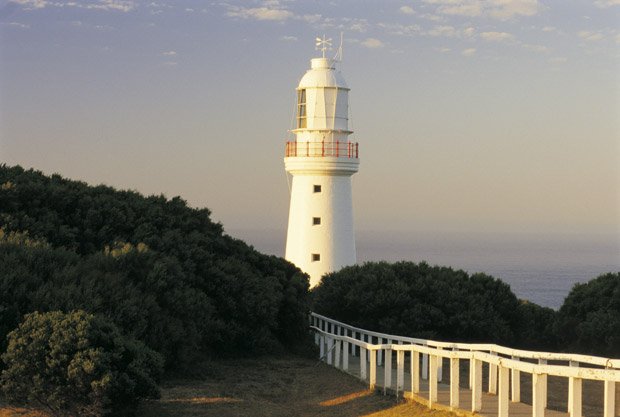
322 149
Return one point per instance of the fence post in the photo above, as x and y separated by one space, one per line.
425 366
387 379
476 392
415 371
538 405
380 353
400 371
363 363
322 346
574 407
439 367
516 383
354 347
330 345
432 383
570 383
543 383
609 400
338 345
504 388
454 382
492 376
373 369
345 355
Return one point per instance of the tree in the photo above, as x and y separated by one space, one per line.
77 364
589 319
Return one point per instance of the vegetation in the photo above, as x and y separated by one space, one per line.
77 364
162 272
440 303
589 319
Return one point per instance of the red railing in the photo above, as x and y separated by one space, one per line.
321 149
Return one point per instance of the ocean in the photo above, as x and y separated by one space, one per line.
539 268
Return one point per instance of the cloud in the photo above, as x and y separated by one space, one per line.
169 53
468 52
557 60
496 36
445 31
31 4
603 4
372 43
400 30
289 38
407 10
535 48
498 9
107 5
549 29
18 25
469 32
259 13
590 36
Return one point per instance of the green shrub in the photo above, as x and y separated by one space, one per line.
163 272
77 364
589 319
419 300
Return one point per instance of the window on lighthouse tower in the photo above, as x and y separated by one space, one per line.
301 109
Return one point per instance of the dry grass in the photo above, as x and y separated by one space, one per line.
276 387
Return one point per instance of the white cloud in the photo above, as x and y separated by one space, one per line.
549 29
18 25
32 4
590 36
498 9
170 64
372 43
445 31
407 10
259 13
400 30
169 53
107 5
469 32
496 36
603 4
535 48
289 38
557 60
444 50
468 52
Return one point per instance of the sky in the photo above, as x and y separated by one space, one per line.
481 116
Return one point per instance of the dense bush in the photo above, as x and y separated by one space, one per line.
161 271
421 301
77 364
589 319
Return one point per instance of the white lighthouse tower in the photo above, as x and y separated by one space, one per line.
321 161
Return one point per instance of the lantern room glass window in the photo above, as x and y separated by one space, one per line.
301 109
316 257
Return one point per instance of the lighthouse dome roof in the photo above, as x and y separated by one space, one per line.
322 73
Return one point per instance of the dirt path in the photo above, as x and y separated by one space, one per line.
276 387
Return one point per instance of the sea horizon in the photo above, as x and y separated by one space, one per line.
539 267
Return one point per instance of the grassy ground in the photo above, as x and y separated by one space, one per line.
276 387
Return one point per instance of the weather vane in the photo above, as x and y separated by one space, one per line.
323 44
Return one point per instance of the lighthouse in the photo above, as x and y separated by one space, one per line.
321 160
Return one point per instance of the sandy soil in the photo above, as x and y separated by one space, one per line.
276 387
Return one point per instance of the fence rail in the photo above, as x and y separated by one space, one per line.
322 149
337 340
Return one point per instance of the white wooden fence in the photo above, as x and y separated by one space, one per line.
339 340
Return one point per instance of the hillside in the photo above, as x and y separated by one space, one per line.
163 272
